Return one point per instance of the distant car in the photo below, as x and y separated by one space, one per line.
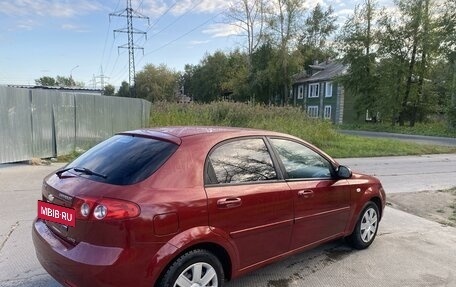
198 206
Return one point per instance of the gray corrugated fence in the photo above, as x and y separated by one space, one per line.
46 123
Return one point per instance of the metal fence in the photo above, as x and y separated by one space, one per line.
47 123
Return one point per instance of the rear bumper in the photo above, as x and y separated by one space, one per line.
87 265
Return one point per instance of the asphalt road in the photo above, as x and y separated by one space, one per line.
409 251
409 173
443 141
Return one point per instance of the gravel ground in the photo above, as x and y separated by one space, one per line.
439 206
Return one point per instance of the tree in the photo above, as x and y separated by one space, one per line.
248 16
263 82
237 77
157 83
46 81
284 23
124 90
59 81
109 90
318 27
63 81
356 43
209 77
415 9
185 80
408 42
448 48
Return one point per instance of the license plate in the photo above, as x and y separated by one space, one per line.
56 213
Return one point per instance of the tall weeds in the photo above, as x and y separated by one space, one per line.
289 120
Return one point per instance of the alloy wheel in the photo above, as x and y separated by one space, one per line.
369 225
199 274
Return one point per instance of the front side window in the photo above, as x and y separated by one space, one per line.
301 162
241 161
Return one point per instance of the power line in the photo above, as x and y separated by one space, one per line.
140 4
106 41
101 77
129 13
178 18
159 18
115 63
181 36
120 74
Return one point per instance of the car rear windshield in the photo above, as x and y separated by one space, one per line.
123 159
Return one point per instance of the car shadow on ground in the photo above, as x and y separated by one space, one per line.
284 273
290 271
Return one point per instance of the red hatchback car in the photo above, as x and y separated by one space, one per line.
197 206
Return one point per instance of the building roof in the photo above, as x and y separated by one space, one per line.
73 89
325 71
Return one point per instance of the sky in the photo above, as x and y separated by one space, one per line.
75 37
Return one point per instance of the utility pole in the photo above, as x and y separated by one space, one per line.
129 13
101 77
94 82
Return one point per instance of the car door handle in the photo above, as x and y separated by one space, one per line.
229 202
306 193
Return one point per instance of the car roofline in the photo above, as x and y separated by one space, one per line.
149 133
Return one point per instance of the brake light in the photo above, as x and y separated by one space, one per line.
105 208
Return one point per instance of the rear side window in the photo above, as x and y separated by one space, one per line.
124 159
241 161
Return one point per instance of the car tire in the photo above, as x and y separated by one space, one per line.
366 227
200 263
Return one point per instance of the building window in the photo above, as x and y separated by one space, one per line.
327 113
312 111
300 92
329 89
314 90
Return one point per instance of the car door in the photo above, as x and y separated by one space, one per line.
248 200
321 201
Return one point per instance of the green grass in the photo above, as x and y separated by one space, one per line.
436 128
69 157
289 120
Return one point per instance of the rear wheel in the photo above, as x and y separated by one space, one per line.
366 227
196 268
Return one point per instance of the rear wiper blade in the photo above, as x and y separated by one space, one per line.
59 172
80 169
88 171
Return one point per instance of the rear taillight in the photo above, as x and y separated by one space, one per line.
104 208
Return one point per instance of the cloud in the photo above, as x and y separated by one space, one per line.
198 42
27 25
46 8
155 8
311 4
180 7
75 28
344 12
222 30
342 5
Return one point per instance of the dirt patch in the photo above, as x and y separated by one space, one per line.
439 206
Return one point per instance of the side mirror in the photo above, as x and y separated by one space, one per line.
344 172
